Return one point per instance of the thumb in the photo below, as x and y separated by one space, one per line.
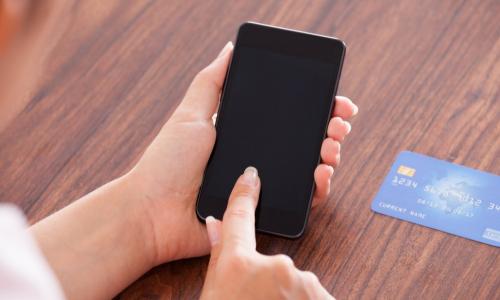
214 230
202 97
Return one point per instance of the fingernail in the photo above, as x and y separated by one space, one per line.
250 176
339 146
226 48
348 125
330 171
213 233
355 109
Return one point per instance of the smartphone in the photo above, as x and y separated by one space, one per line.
276 102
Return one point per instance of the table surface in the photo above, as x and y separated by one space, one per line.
425 75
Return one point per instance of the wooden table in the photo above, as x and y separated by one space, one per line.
425 74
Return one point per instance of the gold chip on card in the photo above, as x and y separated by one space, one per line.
406 171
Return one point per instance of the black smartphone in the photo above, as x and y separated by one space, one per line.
277 99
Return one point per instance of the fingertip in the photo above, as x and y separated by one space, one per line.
213 230
330 151
344 107
220 64
250 176
322 176
325 172
225 49
338 128
202 97
355 109
348 127
239 217
330 171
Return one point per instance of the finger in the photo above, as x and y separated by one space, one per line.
282 268
238 225
202 97
338 129
322 177
214 230
313 287
344 108
330 152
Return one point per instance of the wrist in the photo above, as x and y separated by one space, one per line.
139 216
158 216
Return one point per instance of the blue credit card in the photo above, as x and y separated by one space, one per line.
442 195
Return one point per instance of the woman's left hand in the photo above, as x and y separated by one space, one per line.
167 178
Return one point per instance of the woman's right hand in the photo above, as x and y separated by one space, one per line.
236 270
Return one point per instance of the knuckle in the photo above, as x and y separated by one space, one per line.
202 75
239 262
239 213
284 268
285 261
244 188
205 77
310 277
242 192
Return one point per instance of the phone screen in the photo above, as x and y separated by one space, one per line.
274 111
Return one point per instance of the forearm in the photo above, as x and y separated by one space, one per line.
99 244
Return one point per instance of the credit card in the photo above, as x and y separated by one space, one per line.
442 195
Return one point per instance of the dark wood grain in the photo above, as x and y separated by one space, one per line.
425 74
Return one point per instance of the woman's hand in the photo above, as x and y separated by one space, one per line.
236 270
101 243
169 174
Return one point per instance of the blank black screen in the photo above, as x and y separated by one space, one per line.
273 116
